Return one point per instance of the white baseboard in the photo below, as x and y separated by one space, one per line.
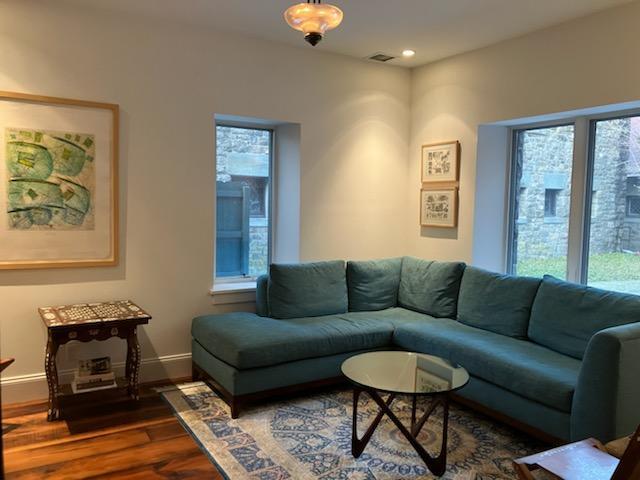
23 388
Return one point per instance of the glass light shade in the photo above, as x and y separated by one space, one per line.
313 17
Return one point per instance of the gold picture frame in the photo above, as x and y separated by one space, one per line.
58 182
439 207
440 162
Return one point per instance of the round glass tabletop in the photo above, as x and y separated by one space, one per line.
405 372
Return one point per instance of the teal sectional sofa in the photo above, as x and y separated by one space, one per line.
559 357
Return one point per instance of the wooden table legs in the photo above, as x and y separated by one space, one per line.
50 368
133 363
86 334
437 465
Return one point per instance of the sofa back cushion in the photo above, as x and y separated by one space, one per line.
430 287
565 315
262 302
373 284
307 289
495 302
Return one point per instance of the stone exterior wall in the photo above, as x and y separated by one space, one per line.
231 142
258 248
609 187
631 238
546 158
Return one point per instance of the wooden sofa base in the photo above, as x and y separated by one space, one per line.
236 402
507 420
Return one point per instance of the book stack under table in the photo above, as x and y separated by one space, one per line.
93 375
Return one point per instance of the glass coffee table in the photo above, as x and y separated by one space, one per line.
404 373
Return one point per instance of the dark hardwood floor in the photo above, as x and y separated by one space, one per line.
101 437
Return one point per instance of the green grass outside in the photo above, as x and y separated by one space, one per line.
602 268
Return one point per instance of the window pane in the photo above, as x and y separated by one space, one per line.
550 203
542 179
243 158
614 235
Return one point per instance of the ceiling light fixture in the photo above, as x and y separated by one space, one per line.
313 19
408 53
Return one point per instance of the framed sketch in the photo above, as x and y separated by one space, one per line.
58 182
440 162
439 207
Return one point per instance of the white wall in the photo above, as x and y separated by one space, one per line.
286 237
587 62
169 81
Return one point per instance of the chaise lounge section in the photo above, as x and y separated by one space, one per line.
555 356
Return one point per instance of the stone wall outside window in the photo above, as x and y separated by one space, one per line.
244 154
548 164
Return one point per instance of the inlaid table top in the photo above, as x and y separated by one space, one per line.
92 313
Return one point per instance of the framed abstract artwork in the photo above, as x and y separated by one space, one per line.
58 182
439 207
440 162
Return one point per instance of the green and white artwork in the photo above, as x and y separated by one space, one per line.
51 180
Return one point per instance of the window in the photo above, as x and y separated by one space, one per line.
541 174
633 206
243 186
633 196
590 234
551 203
612 260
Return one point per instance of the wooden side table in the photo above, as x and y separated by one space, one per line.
84 323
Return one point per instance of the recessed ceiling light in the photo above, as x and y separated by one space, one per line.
408 53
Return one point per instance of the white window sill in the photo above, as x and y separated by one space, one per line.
233 287
233 292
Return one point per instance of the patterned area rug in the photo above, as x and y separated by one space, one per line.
310 438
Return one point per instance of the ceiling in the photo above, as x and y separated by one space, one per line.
434 28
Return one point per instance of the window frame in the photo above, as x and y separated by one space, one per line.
248 279
581 196
513 187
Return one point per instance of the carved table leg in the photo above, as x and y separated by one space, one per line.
53 411
133 363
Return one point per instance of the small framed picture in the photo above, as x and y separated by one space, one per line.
440 162
439 207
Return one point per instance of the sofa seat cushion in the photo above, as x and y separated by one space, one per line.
246 340
307 289
495 302
394 317
522 367
566 315
373 284
430 287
